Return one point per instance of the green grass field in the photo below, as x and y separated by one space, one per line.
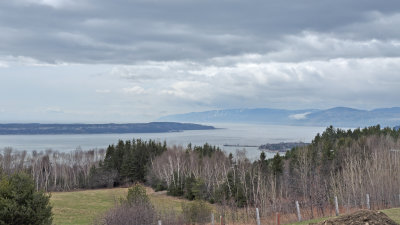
394 214
81 207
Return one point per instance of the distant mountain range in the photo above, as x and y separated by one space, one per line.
155 127
339 117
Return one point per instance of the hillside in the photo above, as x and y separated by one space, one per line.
81 207
232 183
338 116
111 128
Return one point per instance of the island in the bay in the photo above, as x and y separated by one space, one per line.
282 146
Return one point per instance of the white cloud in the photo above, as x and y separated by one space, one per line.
53 110
315 83
103 91
300 116
153 70
53 3
189 86
83 40
191 90
307 46
3 64
9 61
134 90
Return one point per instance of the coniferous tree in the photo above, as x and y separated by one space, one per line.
21 204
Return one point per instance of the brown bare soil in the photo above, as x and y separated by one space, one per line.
361 217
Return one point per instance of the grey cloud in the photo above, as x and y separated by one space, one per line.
101 60
378 26
125 32
39 90
318 83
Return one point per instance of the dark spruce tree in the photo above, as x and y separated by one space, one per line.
126 162
21 204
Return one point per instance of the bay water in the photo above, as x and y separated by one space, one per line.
237 136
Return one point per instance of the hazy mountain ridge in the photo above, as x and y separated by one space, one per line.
154 127
338 116
274 116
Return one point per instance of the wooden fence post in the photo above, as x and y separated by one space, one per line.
368 205
258 217
212 218
159 222
278 218
221 220
336 206
298 210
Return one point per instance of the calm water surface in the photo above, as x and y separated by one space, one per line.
232 134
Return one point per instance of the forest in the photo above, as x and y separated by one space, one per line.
345 163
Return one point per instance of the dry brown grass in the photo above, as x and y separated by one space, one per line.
81 207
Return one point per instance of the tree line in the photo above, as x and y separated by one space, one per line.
343 163
125 162
52 170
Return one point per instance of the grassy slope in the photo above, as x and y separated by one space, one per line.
394 214
80 207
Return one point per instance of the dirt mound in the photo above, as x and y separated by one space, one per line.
362 217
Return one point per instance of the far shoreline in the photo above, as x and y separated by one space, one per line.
109 128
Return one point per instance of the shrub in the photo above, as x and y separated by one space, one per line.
127 214
137 209
196 212
21 204
137 195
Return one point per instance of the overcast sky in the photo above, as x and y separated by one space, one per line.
136 60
